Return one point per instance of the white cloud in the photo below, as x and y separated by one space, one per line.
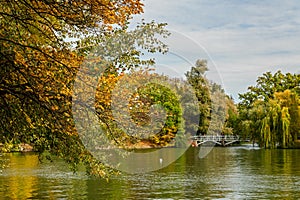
244 38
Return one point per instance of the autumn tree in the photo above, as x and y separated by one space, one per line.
42 46
150 114
231 117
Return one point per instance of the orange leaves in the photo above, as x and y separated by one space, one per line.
104 90
39 62
90 12
54 108
138 106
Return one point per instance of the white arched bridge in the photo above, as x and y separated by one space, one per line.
222 140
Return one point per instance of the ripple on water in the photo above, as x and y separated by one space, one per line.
226 173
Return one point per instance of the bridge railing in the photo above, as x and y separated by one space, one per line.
215 138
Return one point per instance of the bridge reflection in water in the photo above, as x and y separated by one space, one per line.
222 140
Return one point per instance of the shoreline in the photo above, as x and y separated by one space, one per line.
23 147
11 148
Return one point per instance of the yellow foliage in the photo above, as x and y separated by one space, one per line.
38 66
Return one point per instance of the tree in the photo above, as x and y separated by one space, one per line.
196 78
290 102
42 46
267 85
231 117
216 110
138 120
38 65
269 112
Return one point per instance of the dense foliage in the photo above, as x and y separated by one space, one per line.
43 44
216 110
269 112
152 115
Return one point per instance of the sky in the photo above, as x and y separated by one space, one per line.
240 39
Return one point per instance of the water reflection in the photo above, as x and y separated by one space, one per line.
226 173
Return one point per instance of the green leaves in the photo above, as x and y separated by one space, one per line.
217 110
267 85
139 107
196 78
272 110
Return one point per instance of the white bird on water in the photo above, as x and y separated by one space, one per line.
160 161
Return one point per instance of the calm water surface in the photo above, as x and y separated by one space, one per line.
226 173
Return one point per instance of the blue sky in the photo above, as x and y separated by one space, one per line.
241 39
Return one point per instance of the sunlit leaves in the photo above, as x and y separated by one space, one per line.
138 119
39 63
272 110
267 85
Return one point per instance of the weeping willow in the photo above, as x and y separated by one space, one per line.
265 132
275 126
285 127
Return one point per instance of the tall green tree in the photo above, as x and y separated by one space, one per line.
267 85
196 78
217 112
269 111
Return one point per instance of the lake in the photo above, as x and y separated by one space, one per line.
225 173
